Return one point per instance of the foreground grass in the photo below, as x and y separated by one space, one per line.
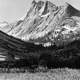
53 74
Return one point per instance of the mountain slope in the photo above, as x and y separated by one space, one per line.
18 53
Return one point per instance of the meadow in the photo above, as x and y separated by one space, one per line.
52 74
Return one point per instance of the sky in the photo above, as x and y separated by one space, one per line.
12 10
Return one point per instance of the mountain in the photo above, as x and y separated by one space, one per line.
47 24
48 35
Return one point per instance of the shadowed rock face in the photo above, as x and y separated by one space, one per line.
48 36
72 11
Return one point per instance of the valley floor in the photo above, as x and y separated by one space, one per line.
53 74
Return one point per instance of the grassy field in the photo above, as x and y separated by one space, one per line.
53 74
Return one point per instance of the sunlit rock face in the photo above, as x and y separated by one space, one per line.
47 24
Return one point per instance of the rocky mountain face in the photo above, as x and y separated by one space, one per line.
47 24
48 35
